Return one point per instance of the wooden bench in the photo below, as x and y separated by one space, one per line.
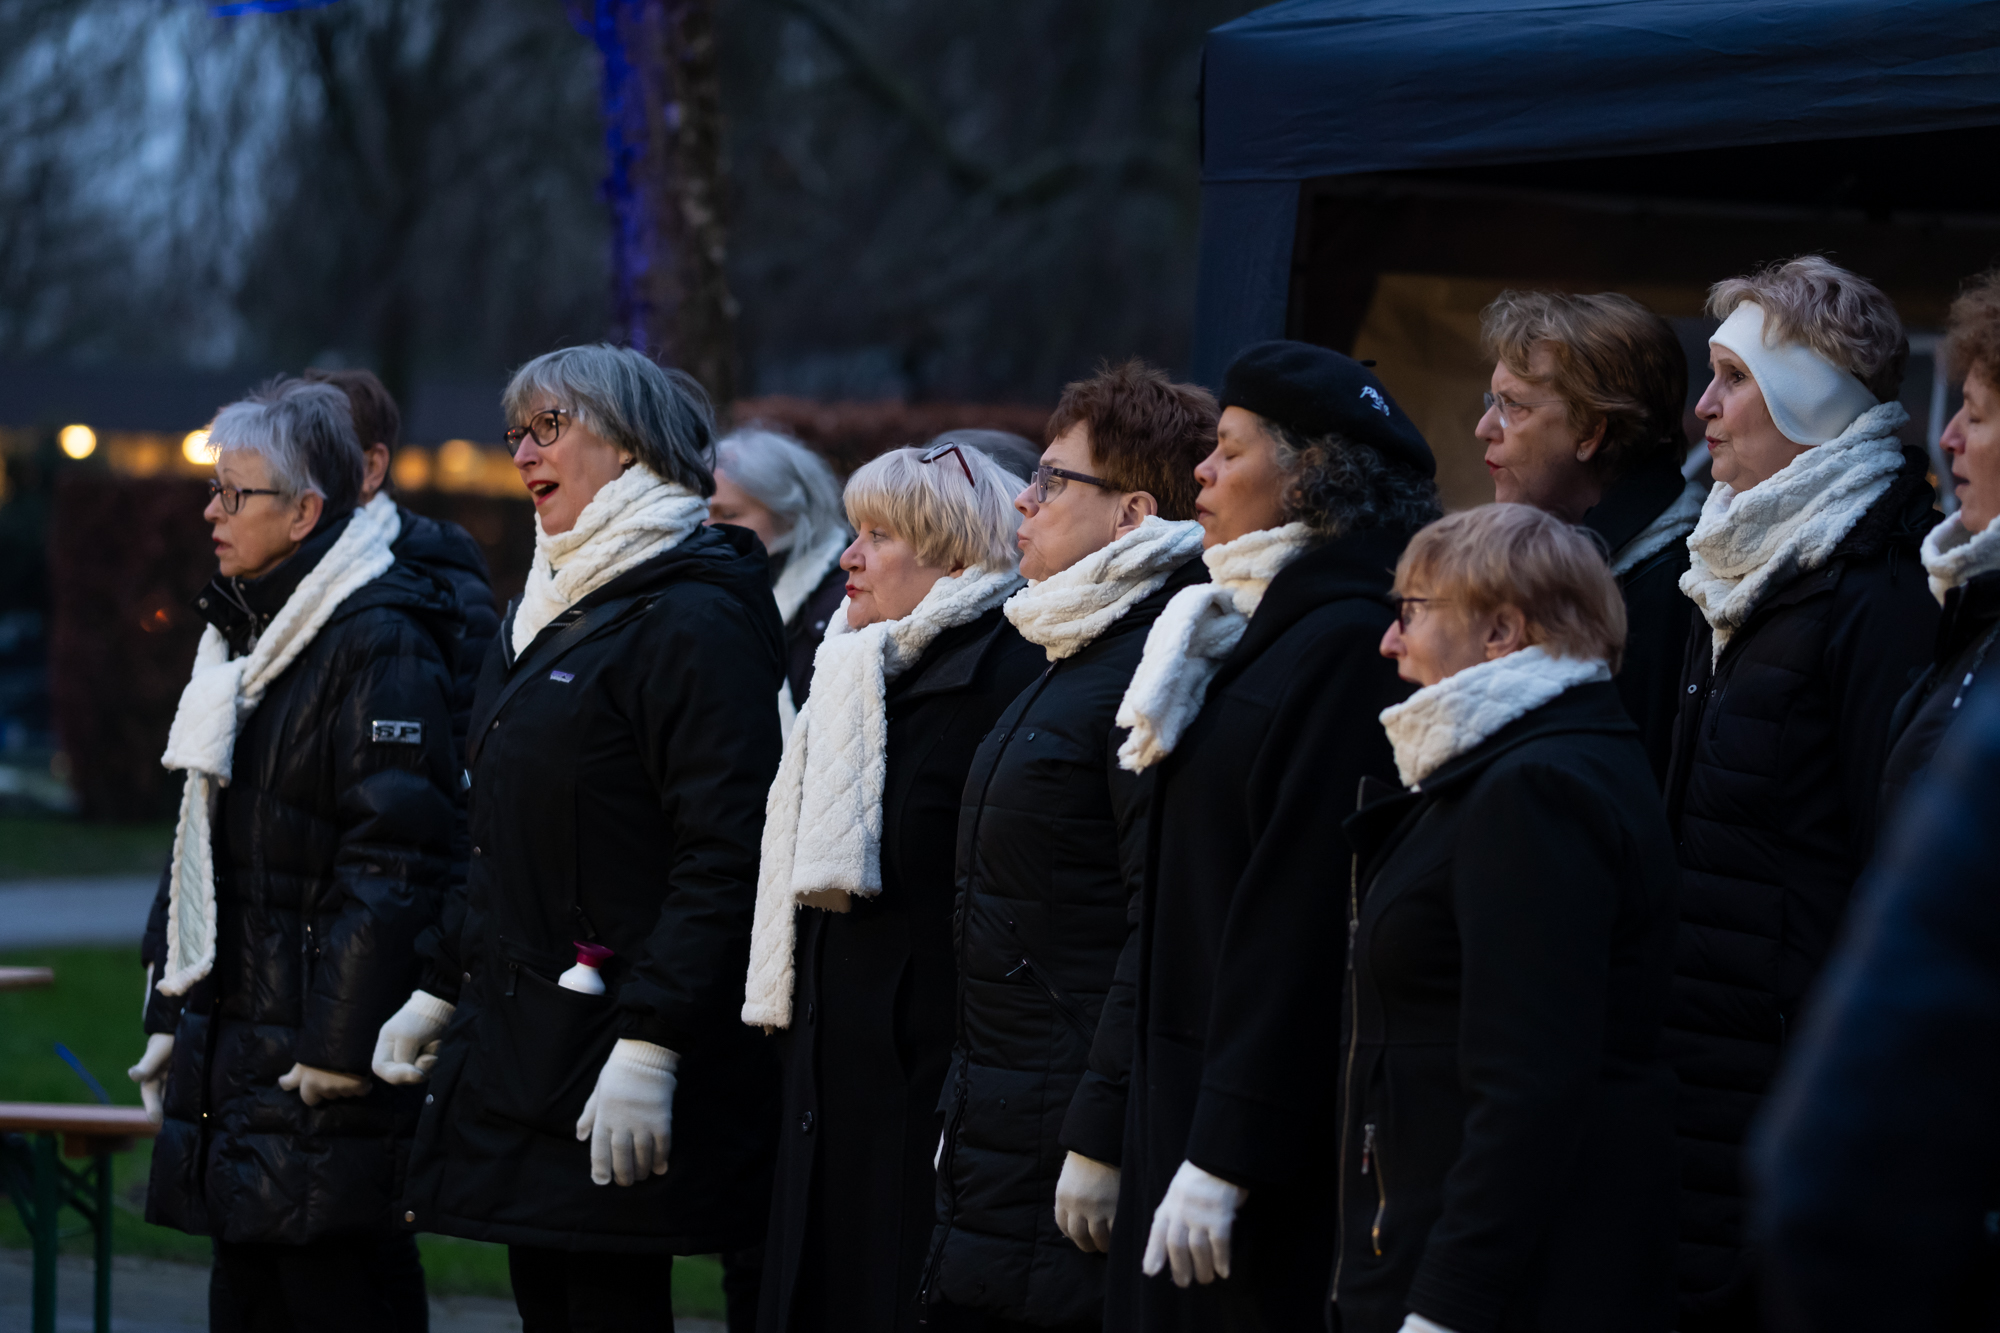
42 1184
26 978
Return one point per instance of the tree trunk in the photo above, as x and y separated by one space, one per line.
663 133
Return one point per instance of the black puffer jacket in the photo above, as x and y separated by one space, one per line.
448 551
1234 1063
1051 849
1966 637
1657 612
1507 1121
806 630
1773 794
329 845
617 797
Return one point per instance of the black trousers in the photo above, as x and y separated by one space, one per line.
590 1291
372 1280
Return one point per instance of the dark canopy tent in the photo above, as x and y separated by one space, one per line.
1652 146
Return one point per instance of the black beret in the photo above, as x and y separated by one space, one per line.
1314 391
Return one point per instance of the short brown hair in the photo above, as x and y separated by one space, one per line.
1516 555
1616 362
1972 334
1147 433
1841 315
376 420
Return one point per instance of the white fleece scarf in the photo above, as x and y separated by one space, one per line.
1673 525
823 817
1952 555
1441 722
631 519
1066 612
219 695
1750 542
1198 629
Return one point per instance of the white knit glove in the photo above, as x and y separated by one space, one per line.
151 1073
1191 1227
629 1119
322 1085
1416 1323
407 1046
1086 1201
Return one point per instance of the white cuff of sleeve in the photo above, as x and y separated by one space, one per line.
646 1055
427 1005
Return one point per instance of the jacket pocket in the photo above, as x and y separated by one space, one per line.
540 1047
1063 1002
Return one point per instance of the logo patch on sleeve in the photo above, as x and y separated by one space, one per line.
561 677
396 733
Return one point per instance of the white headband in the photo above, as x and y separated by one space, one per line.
1811 399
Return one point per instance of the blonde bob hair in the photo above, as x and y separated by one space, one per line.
1516 555
951 522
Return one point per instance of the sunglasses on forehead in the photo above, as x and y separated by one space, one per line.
935 452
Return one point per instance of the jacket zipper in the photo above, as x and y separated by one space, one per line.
1347 1074
945 1177
1371 1154
1062 1003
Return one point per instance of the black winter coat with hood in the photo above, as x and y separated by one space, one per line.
1773 794
871 1029
1657 612
617 797
330 846
1241 931
1051 854
1966 634
1507 1121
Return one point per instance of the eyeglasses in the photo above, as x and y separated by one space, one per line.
1503 405
951 447
232 496
1402 607
1049 482
546 426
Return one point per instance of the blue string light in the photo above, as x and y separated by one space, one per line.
265 7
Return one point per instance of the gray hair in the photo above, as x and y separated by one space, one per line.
305 432
1841 315
630 401
786 478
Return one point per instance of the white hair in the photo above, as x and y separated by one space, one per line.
949 520
788 479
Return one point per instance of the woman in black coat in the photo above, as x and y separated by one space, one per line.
1805 569
1255 701
318 720
1051 858
787 495
852 959
1961 554
622 739
1506 1121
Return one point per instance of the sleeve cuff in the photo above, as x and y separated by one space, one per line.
1094 1125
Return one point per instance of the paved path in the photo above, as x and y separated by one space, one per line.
152 1296
47 913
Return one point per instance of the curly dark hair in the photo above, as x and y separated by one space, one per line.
1335 486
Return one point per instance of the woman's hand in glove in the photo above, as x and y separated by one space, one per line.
322 1085
1191 1227
1086 1201
407 1046
151 1073
629 1118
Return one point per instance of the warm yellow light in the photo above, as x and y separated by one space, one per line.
456 458
78 441
196 448
412 468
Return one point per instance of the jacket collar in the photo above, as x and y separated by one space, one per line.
1633 502
952 661
1360 564
1589 709
241 608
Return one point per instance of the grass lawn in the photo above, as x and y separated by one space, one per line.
94 1010
30 848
